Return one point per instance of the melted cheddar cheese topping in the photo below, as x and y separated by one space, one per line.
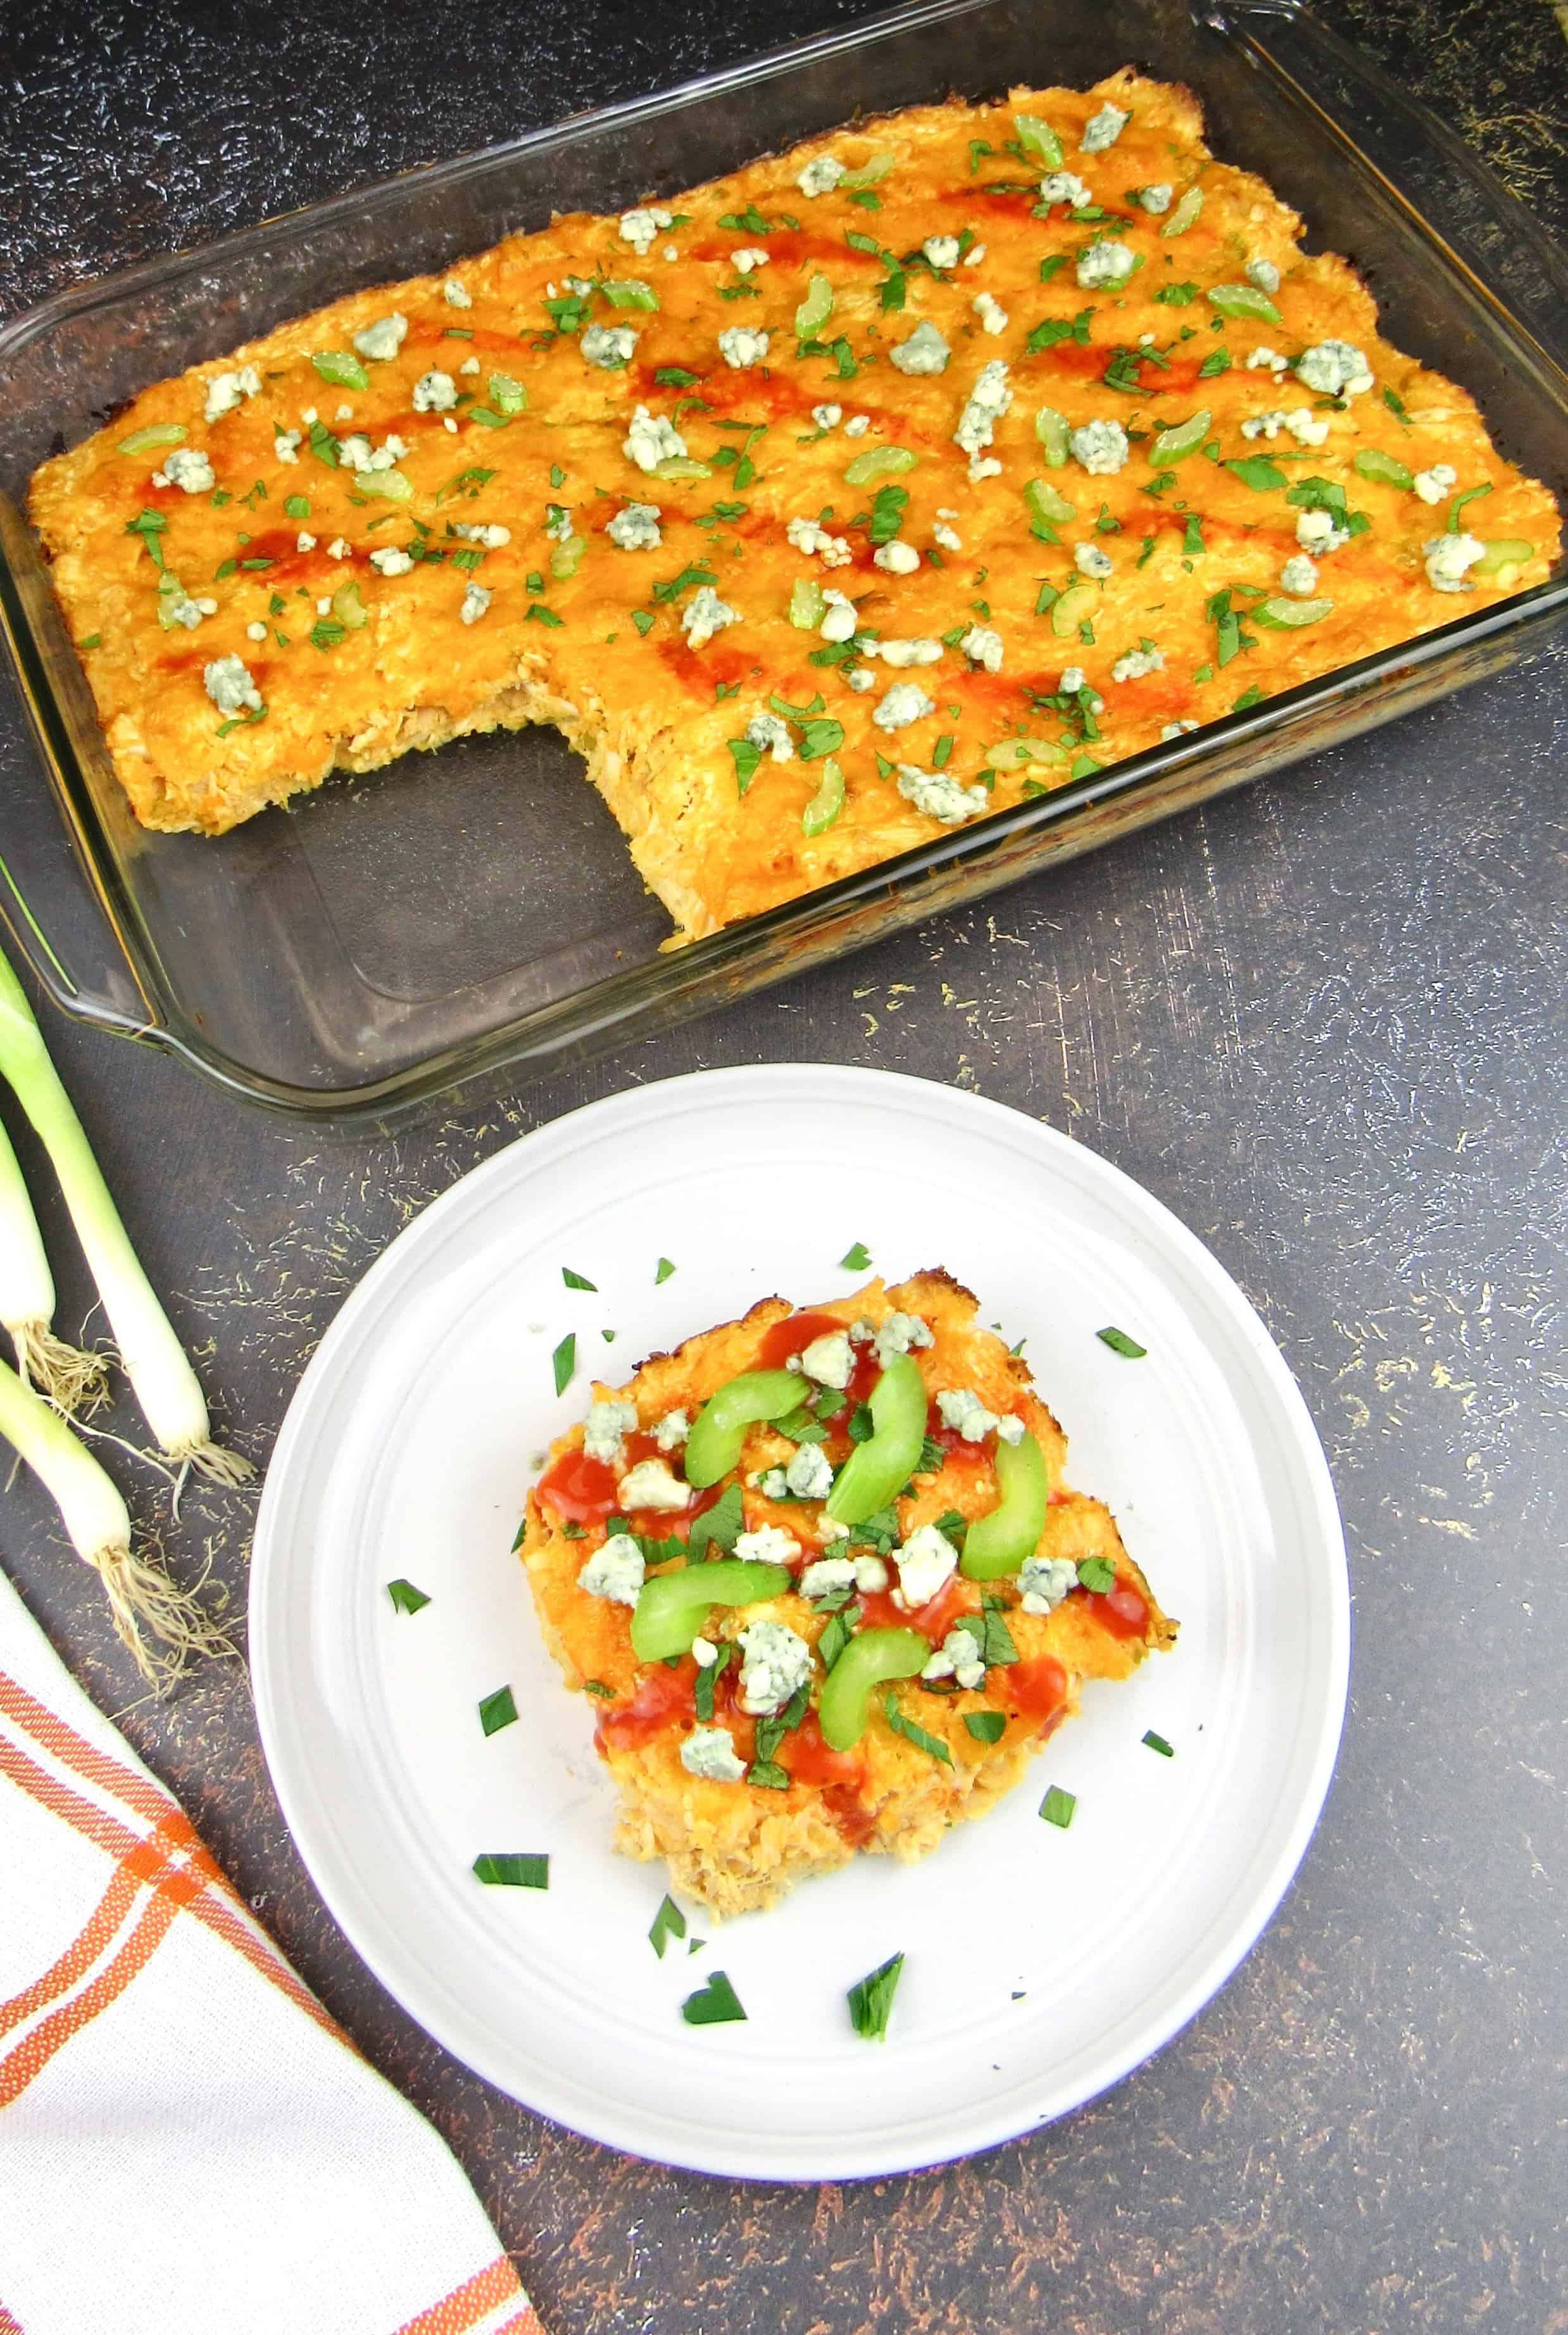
841 501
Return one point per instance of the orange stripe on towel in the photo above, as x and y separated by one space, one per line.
72 1751
470 2302
9 2326
129 1876
218 1909
33 2055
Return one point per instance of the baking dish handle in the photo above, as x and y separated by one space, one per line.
1428 163
60 920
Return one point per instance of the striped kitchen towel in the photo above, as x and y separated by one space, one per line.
187 2140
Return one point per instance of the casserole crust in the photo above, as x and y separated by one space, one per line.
848 497
739 1844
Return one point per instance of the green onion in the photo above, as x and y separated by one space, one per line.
878 463
814 309
855 1258
665 1271
1241 300
70 1379
713 2005
1050 428
1158 1743
141 1594
565 1360
576 1280
155 1361
1185 438
1037 139
1046 507
341 366
510 1869
1455 508
1256 470
1185 212
1120 1344
157 433
1058 1807
1372 463
669 1923
826 802
405 1597
871 1998
498 1711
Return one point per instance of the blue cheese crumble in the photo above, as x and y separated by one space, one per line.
775 1663
635 527
187 467
770 735
704 615
809 1475
1334 369
1104 265
608 346
650 1484
228 684
708 1752
1448 558
671 1431
905 704
1103 129
741 347
992 315
476 600
381 340
939 797
924 352
642 229
225 391
651 440
959 1658
989 398
819 177
927 1560
828 1360
1044 1580
768 1544
607 1422
434 391
1100 447
615 1572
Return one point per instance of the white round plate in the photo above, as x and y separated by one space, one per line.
1041 1964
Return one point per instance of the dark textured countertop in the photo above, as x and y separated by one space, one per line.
1322 1020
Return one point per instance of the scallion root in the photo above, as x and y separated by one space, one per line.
73 1379
145 1603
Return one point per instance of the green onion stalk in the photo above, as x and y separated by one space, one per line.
154 1361
144 1602
72 1379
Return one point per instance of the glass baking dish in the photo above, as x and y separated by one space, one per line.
472 916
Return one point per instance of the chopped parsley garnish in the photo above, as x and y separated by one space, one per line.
912 1733
991 1633
664 1271
1048 268
297 505
596 1686
746 758
985 1726
1158 1743
325 446
887 514
689 577
837 1632
1232 641
539 615
669 1923
714 2005
149 525
467 483
718 1528
93 641
576 1280
702 1693
565 1360
1256 470
1252 697
750 221
644 620
498 1711
1193 538
1177 296
1058 1807
1120 1344
820 738
1457 505
675 377
871 2000
511 1870
1097 1574
405 1597
1056 328
1396 406
1217 361
942 752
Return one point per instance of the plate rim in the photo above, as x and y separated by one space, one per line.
305 1812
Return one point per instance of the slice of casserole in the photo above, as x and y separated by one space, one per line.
822 1576
853 497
